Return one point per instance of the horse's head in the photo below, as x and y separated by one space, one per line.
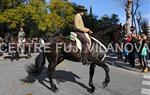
118 33
109 33
122 32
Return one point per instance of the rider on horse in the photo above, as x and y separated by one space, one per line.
80 30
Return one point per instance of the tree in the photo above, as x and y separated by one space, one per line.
8 4
137 15
105 24
132 13
37 17
114 19
18 14
128 9
91 22
105 19
65 10
34 17
145 26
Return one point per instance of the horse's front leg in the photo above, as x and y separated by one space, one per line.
107 78
92 69
106 68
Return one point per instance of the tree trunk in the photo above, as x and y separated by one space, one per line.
128 10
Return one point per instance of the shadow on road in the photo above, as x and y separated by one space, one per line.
61 76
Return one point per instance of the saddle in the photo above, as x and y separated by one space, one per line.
73 37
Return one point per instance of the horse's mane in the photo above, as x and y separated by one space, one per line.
100 39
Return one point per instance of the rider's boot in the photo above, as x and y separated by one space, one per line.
85 55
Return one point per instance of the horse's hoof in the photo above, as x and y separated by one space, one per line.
92 90
55 90
104 84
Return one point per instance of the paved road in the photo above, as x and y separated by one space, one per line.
74 78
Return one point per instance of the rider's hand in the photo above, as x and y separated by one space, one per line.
89 31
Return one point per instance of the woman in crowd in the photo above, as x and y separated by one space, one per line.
144 53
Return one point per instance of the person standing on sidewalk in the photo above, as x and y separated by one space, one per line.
144 53
131 55
21 37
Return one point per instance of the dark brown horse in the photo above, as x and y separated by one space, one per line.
57 55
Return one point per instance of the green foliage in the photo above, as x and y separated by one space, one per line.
8 4
64 10
91 22
103 24
113 19
12 17
36 17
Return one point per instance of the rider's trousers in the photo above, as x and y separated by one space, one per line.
85 41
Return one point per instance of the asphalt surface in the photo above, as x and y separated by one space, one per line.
73 79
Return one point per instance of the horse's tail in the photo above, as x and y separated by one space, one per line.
40 62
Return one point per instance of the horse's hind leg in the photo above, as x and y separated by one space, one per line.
53 61
50 71
51 68
92 69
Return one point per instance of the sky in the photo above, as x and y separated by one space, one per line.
108 7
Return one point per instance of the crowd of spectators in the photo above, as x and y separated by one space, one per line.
32 41
136 45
